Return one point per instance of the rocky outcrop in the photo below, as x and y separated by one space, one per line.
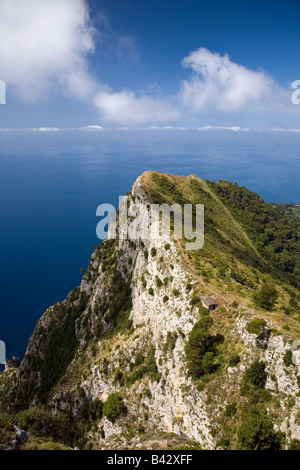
125 330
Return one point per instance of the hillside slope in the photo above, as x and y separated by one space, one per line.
132 358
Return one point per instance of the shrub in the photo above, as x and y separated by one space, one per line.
139 359
91 411
255 377
153 252
113 407
266 297
176 292
234 360
201 349
165 299
203 310
287 359
230 410
170 341
43 444
294 444
256 431
42 423
167 246
223 442
195 300
6 429
256 325
147 368
151 291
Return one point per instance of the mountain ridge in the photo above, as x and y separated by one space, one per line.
117 357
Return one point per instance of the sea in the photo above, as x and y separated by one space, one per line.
51 184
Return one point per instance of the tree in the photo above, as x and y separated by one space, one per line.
266 297
113 407
257 432
201 349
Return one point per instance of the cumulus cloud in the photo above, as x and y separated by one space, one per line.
45 46
218 83
45 43
125 107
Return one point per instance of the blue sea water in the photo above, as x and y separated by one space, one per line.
52 182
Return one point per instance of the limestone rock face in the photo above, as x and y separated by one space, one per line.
150 286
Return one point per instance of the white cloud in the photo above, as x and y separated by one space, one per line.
92 128
218 83
45 47
44 43
226 128
125 107
49 129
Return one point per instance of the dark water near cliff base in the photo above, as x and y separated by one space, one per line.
52 183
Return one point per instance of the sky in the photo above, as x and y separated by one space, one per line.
131 64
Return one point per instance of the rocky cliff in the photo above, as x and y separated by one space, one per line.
133 359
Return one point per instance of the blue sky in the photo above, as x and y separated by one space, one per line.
110 64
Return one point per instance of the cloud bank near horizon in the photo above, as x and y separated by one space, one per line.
46 48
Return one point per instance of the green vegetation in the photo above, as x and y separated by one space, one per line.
257 432
294 444
234 360
42 423
6 429
275 234
289 208
288 358
43 444
201 349
59 345
256 325
266 297
170 341
254 379
113 407
230 410
144 367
